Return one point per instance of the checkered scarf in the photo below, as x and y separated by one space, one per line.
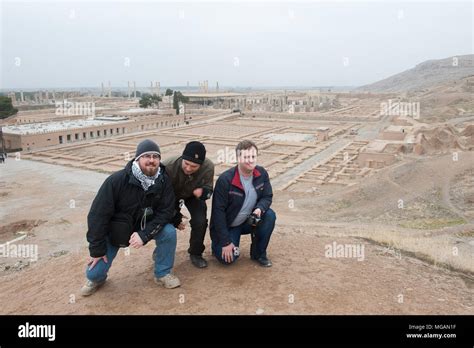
145 180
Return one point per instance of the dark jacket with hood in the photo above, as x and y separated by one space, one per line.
121 197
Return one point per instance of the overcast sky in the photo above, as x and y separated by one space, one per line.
81 44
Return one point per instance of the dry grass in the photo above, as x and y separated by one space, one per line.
431 224
439 250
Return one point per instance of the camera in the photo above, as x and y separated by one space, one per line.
253 220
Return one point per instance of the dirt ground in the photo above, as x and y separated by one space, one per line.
52 205
301 281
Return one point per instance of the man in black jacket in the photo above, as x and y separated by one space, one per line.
241 205
133 206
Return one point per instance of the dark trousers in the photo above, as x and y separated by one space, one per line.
263 233
198 211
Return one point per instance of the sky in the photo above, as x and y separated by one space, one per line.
60 44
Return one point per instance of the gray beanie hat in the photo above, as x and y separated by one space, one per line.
145 147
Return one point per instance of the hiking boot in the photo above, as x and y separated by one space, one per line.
169 281
198 261
91 287
264 261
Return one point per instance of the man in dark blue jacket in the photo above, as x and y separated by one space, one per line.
242 196
133 206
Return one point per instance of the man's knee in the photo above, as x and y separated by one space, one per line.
167 233
98 273
221 260
218 255
269 216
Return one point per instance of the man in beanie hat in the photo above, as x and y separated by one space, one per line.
133 206
192 175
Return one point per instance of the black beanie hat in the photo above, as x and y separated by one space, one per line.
194 152
147 146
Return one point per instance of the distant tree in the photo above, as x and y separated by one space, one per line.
145 101
6 107
148 100
177 98
176 103
168 92
155 100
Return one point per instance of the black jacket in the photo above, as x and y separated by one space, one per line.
228 198
121 197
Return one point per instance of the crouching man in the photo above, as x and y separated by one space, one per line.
132 207
192 176
241 205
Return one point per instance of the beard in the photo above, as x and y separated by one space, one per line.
149 170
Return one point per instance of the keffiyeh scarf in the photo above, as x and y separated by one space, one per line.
145 180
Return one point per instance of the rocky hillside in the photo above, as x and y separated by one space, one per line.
426 75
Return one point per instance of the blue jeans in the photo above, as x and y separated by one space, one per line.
165 251
263 233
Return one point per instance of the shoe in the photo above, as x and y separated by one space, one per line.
198 261
91 287
169 281
264 262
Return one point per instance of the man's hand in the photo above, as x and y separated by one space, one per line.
135 241
257 212
228 253
182 224
93 261
197 192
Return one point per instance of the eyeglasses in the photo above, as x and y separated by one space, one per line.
151 155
